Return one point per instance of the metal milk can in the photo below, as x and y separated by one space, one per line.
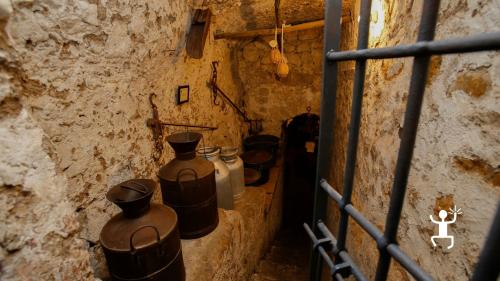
141 243
188 186
236 171
222 178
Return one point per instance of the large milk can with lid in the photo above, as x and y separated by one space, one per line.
188 186
142 242
222 177
236 170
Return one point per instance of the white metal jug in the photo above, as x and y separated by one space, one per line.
230 156
222 177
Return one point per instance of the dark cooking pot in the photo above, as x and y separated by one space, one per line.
260 160
252 176
267 142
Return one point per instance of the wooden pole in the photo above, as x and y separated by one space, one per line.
269 31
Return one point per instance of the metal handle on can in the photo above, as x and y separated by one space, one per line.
132 248
193 173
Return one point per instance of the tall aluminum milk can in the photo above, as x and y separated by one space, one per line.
236 171
222 177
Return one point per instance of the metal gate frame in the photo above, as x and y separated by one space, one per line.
342 266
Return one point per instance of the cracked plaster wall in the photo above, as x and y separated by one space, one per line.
74 85
456 158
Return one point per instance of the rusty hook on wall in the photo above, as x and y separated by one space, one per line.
214 82
157 129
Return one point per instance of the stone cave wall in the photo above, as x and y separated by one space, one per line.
276 100
75 79
456 156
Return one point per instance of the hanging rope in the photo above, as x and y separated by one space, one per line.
282 69
275 52
277 17
283 41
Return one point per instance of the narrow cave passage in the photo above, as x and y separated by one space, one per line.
289 253
286 259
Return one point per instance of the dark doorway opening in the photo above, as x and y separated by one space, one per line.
300 154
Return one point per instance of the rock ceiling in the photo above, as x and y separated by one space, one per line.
260 13
239 15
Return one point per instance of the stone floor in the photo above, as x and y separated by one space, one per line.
287 258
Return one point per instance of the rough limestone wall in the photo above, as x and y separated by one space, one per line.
456 156
342 109
75 80
278 100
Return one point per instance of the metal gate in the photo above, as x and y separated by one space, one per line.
325 245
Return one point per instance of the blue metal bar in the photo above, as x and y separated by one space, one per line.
339 277
333 16
356 215
357 101
487 268
355 270
332 192
412 115
375 233
369 227
481 42
319 249
408 263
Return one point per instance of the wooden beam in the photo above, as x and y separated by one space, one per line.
269 31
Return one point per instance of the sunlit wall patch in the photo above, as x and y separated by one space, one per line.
377 19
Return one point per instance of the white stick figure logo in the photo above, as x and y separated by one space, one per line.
443 225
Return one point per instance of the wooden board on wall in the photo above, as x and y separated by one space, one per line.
198 33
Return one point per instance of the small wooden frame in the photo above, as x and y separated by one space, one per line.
182 94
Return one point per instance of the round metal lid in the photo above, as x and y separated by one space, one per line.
123 234
208 151
132 196
227 152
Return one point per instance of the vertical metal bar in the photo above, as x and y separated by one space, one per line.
415 96
357 101
331 41
487 267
